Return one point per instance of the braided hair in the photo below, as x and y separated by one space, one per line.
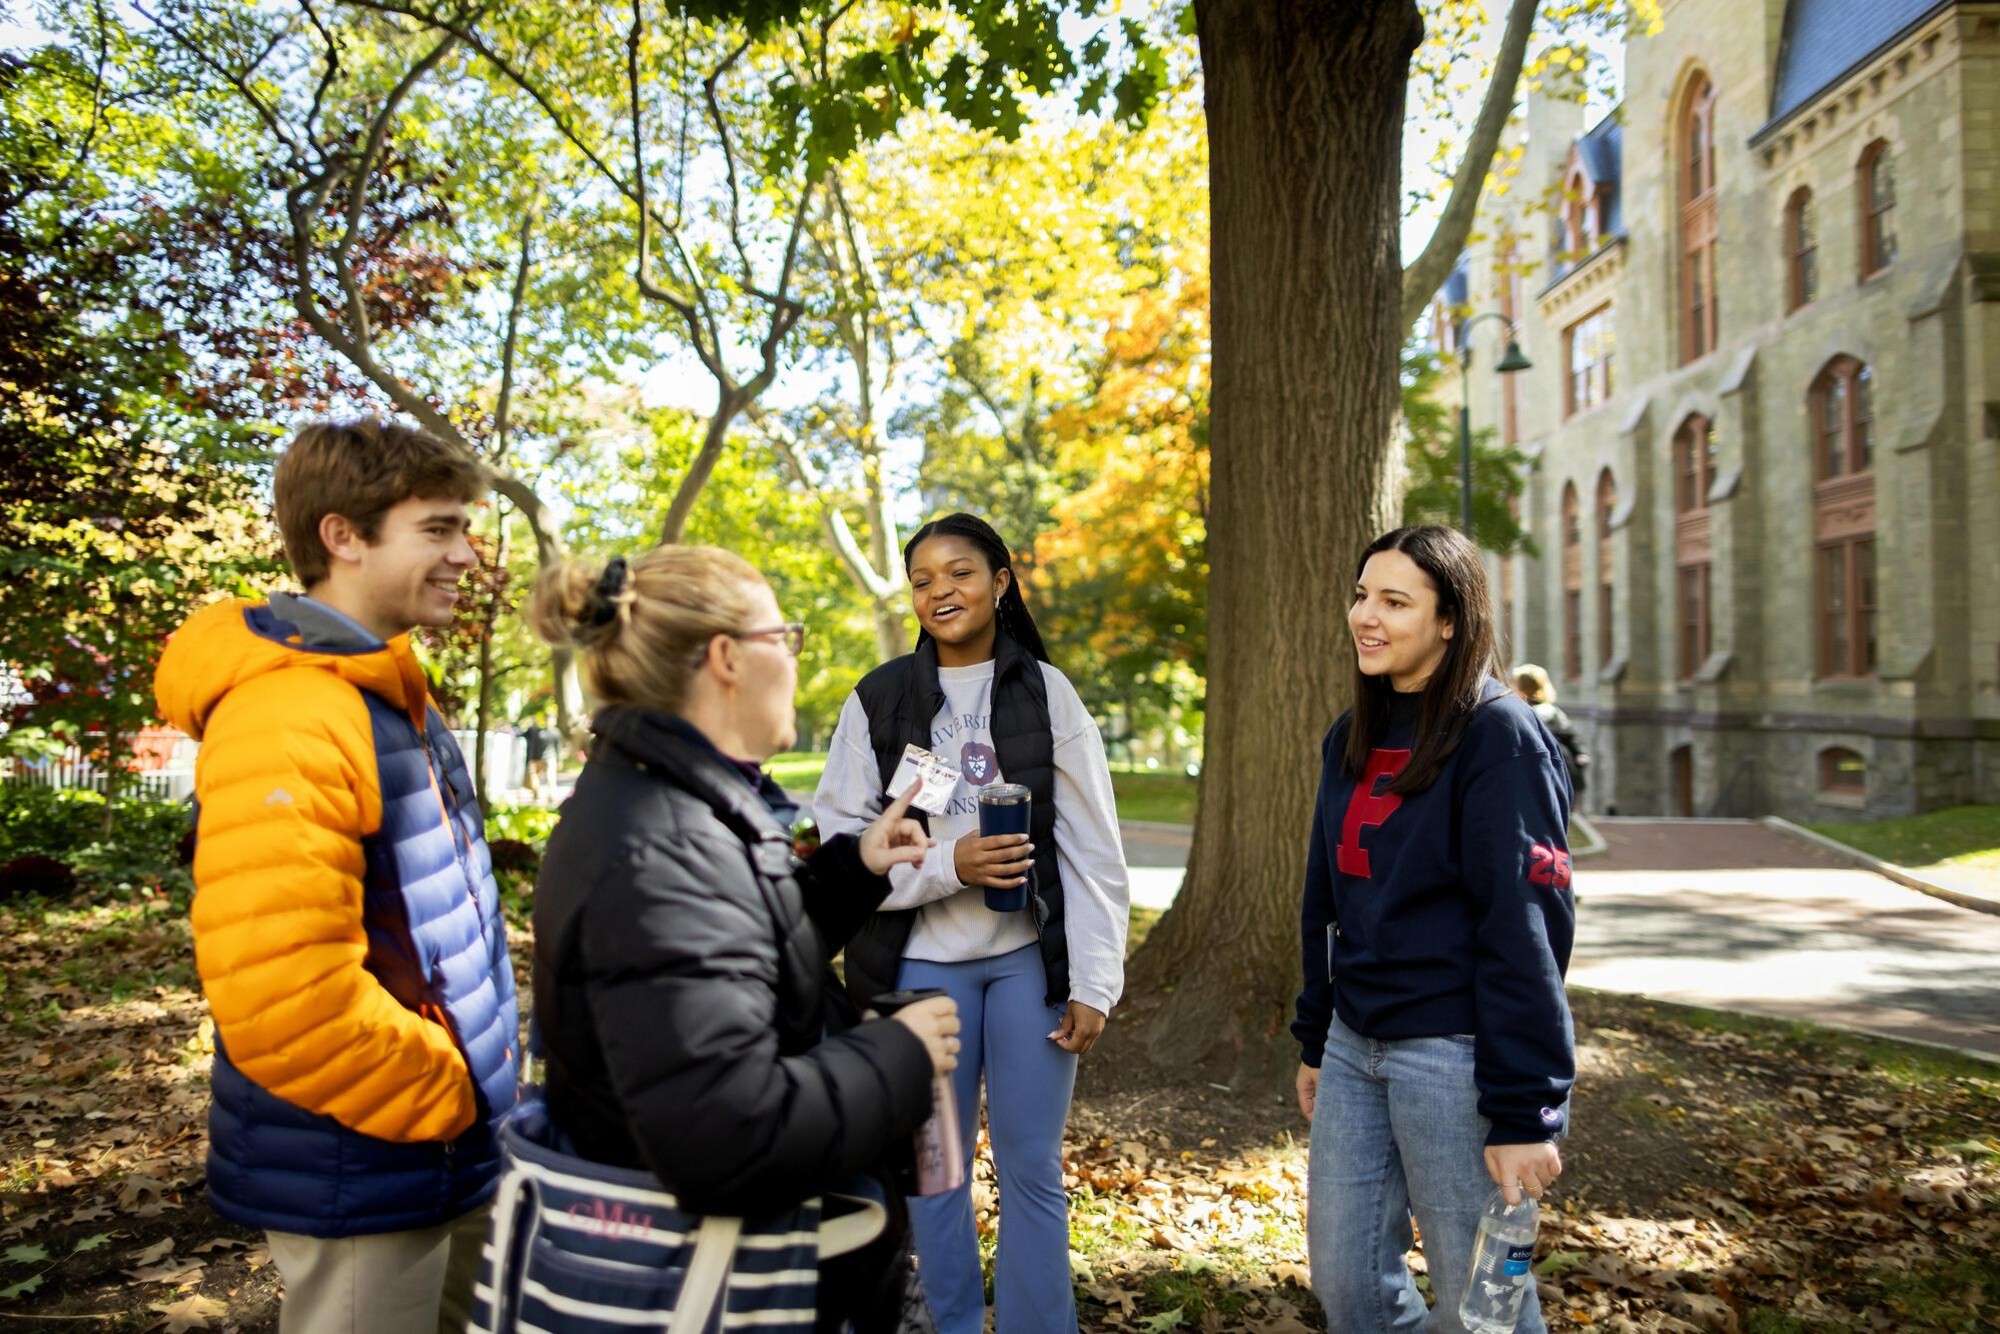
1012 616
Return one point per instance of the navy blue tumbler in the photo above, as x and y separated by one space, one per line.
1003 809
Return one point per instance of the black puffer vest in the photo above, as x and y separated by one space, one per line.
902 699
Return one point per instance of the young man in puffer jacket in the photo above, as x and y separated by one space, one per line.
347 927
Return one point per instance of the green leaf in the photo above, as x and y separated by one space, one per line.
91 1243
27 1255
25 1286
1186 22
1161 1323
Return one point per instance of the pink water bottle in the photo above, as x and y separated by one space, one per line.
939 1158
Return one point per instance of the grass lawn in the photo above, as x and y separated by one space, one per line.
1962 842
1164 798
797 770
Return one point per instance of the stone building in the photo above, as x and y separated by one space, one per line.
1762 300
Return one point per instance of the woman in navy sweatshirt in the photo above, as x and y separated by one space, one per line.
1436 1048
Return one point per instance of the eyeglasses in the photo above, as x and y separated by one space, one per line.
793 631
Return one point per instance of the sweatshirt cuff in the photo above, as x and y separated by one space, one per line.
947 850
1096 998
1546 1128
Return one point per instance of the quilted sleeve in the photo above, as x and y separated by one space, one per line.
288 787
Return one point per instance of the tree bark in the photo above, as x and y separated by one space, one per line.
890 639
492 621
1305 106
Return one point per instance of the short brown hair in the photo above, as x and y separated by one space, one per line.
360 470
642 643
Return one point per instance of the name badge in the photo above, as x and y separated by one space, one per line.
940 780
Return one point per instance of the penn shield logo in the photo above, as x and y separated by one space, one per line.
980 764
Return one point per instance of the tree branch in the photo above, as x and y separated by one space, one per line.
1422 279
876 584
240 82
363 169
643 268
729 158
96 97
503 412
327 77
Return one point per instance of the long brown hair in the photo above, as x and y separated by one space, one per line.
1454 690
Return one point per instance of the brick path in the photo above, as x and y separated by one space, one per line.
1734 915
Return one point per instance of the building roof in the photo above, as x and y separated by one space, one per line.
1603 152
1826 39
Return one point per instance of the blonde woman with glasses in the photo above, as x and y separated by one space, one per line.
692 1025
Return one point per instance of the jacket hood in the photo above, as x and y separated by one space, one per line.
237 639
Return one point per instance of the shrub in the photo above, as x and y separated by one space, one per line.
530 824
35 874
54 822
67 826
511 856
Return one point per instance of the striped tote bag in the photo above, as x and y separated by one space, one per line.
578 1247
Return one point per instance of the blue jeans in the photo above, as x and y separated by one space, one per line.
1005 1032
1396 1128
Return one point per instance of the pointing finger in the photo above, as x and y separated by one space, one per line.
901 805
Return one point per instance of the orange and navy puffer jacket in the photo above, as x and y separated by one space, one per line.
347 931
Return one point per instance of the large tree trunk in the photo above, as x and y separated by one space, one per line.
489 622
1305 119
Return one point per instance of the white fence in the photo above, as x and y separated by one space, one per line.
165 769
166 766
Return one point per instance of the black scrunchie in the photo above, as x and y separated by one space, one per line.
604 599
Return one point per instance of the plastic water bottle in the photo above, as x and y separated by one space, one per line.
1498 1283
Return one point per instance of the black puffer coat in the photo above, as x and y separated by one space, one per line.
690 1022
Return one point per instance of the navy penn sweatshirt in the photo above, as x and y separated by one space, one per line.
1449 910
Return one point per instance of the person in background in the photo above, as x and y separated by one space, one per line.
693 1026
544 748
1532 684
1436 1049
346 925
1033 985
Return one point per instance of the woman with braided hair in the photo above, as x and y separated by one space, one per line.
1033 983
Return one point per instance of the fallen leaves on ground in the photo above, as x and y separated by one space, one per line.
1717 1180
105 1134
189 1313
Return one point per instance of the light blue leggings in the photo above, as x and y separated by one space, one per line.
1006 1027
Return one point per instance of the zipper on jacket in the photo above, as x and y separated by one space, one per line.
461 852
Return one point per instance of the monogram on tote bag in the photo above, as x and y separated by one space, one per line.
583 1248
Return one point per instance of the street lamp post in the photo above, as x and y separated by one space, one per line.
1513 360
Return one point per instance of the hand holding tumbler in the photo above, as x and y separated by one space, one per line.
939 1164
1004 809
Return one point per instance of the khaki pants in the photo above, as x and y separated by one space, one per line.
384 1283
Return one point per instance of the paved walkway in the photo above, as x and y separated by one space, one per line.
1733 915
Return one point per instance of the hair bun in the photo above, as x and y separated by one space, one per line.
570 607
